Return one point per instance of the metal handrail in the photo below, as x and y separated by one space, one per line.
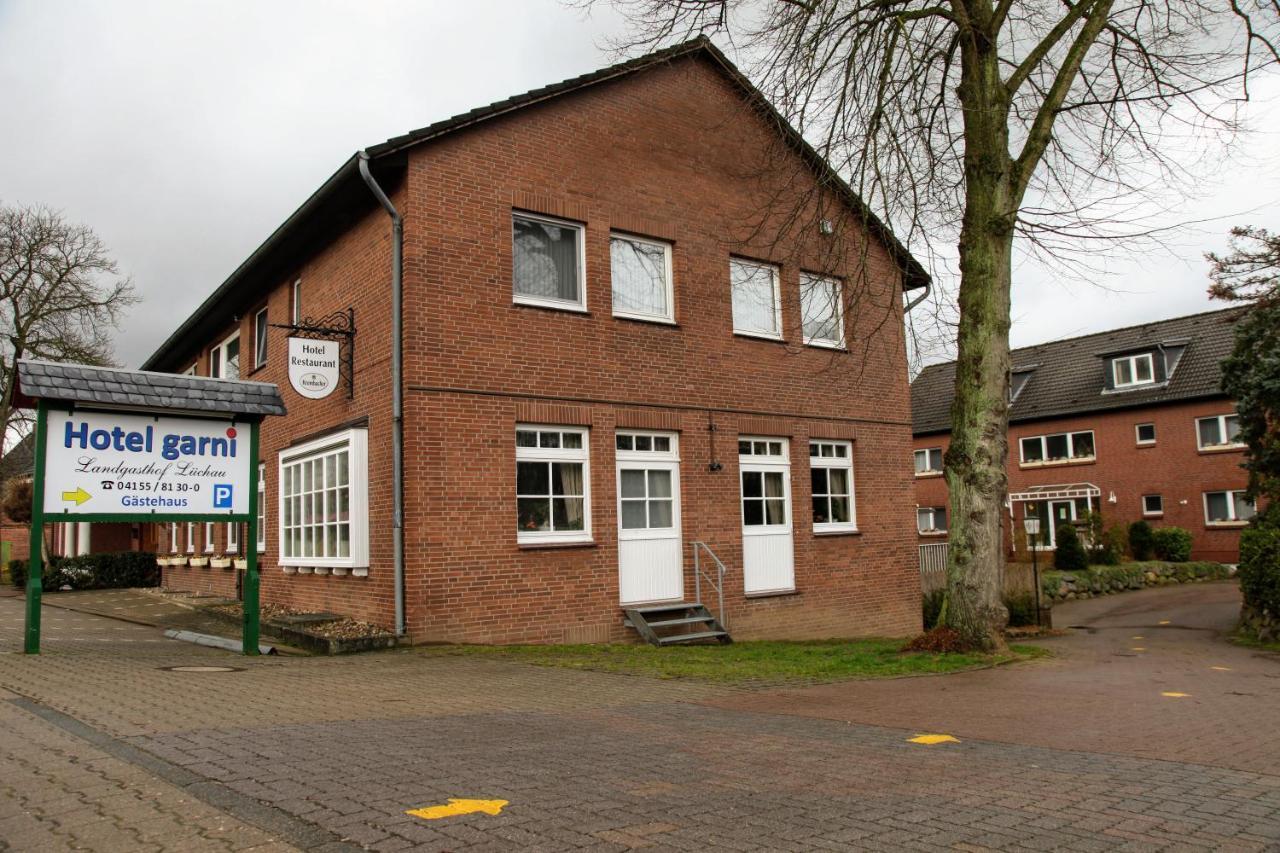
698 574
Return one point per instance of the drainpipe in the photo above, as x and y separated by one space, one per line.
924 294
397 393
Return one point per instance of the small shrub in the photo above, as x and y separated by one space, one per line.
94 571
938 641
1109 547
1141 541
1069 555
1260 569
1022 610
932 607
1172 544
53 577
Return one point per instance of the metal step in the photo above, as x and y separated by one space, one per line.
659 608
687 620
689 638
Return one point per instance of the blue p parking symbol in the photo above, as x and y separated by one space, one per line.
222 496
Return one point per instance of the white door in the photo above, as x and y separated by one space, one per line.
650 553
768 553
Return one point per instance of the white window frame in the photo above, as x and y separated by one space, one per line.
844 463
928 470
814 279
233 538
648 460
356 442
191 537
1044 448
260 332
932 530
190 371
670 316
218 357
558 454
173 538
775 275
1222 432
209 528
1146 442
1233 520
296 295
1147 510
1132 361
580 305
262 507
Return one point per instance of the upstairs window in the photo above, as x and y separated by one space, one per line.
260 338
1228 507
297 302
224 359
931 520
552 485
831 474
1018 380
757 308
929 461
821 311
1059 447
1132 370
1218 431
547 262
641 273
1146 433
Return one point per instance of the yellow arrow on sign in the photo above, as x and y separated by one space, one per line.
79 495
459 807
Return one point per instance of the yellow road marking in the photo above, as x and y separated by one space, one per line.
930 740
1139 637
458 807
1173 695
1163 622
1221 668
1138 649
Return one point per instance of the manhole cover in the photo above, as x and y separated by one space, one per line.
201 668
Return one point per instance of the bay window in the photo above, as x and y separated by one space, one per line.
547 262
821 311
640 270
324 502
831 473
552 485
757 306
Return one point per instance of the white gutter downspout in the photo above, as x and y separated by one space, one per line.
397 393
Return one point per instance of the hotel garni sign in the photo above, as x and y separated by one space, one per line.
313 367
100 462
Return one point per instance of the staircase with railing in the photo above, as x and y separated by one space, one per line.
687 621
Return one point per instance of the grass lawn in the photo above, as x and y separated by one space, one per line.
757 662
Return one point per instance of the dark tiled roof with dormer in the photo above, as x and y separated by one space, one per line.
1069 377
109 387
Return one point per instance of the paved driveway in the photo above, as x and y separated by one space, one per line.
1080 752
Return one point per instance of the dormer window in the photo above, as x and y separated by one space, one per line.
1133 370
1017 381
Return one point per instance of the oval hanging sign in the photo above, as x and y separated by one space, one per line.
313 367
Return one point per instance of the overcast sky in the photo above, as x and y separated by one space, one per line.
184 132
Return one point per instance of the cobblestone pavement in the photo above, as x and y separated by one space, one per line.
318 751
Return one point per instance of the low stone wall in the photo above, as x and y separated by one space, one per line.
1260 624
1105 580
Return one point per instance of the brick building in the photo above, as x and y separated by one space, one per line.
1131 423
638 312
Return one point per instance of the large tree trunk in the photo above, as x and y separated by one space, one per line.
975 464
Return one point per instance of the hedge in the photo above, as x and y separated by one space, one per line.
1172 544
94 571
1260 569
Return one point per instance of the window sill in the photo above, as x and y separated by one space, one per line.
653 321
932 534
1225 525
1145 444
851 531
928 475
547 546
563 307
1153 515
1059 463
772 593
826 346
1224 448
757 336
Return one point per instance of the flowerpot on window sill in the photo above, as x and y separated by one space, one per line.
339 572
289 570
200 562
240 563
321 570
360 573
305 570
220 562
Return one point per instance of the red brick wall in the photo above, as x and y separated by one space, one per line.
1173 467
675 154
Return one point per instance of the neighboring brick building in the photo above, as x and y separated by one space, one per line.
1131 422
605 360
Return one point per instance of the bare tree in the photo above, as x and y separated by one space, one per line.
981 121
60 299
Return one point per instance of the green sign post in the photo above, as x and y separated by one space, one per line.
177 455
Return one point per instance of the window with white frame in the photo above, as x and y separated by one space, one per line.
648 471
757 304
821 311
224 359
297 302
1130 370
640 270
1153 505
191 537
931 520
553 484
208 537
1228 507
190 371
547 262
262 507
173 537
831 473
1146 433
1059 447
324 502
929 460
233 538
260 338
1218 431
764 465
